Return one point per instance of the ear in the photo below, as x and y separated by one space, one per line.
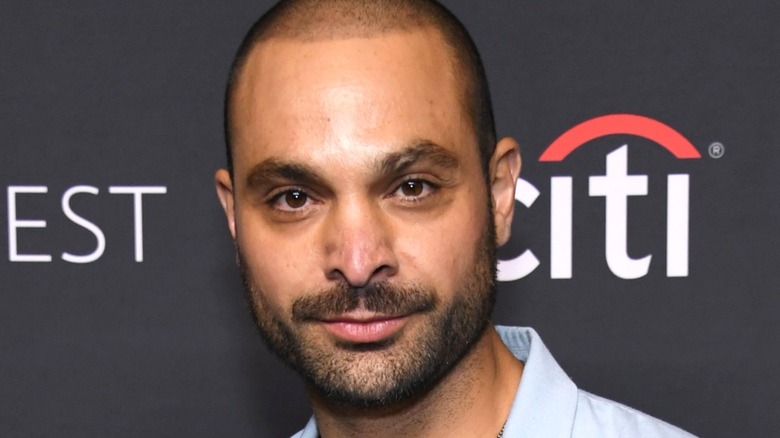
504 170
224 184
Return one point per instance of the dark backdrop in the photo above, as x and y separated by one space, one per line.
95 96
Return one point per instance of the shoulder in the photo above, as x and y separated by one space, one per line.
597 416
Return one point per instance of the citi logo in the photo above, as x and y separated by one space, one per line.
616 186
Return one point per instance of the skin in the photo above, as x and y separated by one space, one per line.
341 108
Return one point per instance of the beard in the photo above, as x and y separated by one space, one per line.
398 369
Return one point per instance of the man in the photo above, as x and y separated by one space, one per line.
366 195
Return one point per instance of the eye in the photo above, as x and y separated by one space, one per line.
293 199
415 189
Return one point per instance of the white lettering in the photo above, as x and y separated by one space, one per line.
560 226
616 186
91 227
138 224
14 224
677 207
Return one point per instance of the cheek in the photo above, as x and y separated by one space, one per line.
276 262
441 254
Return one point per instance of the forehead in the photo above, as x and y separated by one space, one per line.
347 97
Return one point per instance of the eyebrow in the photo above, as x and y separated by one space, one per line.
421 150
275 169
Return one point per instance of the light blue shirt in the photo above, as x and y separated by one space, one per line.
548 404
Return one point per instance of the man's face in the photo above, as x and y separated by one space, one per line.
360 212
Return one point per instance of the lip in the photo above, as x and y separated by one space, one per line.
364 329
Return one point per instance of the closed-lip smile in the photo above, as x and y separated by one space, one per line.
362 326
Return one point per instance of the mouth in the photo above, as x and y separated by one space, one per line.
361 327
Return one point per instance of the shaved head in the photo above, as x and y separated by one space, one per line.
317 20
366 199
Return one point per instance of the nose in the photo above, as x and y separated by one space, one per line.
358 244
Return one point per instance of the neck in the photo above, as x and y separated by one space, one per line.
472 400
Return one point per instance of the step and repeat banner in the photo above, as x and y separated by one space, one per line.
645 245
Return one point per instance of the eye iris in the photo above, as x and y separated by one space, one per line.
295 199
412 188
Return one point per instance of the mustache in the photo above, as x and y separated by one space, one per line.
381 297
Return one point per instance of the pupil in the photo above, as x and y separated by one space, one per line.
412 188
295 199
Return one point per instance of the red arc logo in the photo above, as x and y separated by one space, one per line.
612 124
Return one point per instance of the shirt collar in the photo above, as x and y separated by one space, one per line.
546 400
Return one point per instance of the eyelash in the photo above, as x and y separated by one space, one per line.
428 189
278 197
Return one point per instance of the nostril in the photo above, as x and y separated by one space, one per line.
357 246
336 275
382 273
357 279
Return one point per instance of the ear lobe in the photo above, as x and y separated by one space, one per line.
224 185
504 171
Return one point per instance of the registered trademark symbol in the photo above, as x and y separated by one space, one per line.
716 150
